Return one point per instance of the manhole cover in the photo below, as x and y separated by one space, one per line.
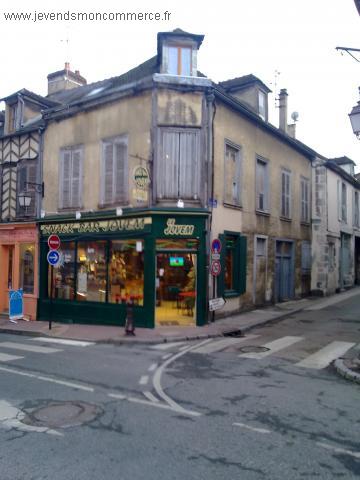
62 414
253 349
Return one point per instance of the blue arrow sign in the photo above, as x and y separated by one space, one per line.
53 257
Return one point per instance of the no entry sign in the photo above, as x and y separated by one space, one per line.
54 242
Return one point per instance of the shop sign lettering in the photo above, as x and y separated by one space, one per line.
98 226
173 229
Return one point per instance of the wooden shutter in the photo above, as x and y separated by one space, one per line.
21 180
189 165
108 174
168 165
76 182
121 172
65 176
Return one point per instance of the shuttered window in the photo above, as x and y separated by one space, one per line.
178 167
305 200
114 172
285 194
70 188
232 175
26 173
262 185
356 210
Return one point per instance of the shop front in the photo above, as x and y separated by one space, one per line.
18 265
154 260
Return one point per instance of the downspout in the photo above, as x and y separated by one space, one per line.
210 99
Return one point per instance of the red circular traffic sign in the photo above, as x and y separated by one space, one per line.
215 268
216 246
54 242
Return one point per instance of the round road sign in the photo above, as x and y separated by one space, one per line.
216 246
53 257
215 268
54 242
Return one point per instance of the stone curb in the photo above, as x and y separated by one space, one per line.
346 372
152 341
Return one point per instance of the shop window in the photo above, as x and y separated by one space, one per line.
178 166
64 275
27 254
232 280
126 271
91 271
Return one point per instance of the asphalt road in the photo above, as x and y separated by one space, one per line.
265 406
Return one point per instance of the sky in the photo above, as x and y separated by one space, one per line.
286 43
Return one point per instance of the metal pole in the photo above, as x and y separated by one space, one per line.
214 296
51 295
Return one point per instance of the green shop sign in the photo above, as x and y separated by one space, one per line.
98 226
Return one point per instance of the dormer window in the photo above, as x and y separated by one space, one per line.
179 62
262 104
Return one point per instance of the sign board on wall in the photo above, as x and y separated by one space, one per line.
216 303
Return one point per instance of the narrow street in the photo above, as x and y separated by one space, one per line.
267 405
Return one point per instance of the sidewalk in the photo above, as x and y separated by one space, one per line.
234 325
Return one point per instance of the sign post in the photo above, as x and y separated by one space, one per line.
53 258
215 270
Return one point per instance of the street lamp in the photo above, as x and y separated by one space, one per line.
354 116
24 199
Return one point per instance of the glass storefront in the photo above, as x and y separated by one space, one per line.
104 271
27 254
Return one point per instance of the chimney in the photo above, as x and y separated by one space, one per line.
283 109
64 80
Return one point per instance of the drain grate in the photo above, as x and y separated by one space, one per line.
253 349
233 333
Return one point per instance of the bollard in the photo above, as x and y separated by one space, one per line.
129 321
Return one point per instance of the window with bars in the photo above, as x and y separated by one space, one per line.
114 171
70 185
285 194
262 185
178 165
305 200
26 172
232 175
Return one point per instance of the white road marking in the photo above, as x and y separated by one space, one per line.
118 396
322 358
144 380
10 417
4 357
47 379
63 341
168 355
28 348
339 450
157 380
217 345
152 367
151 397
274 346
254 429
167 346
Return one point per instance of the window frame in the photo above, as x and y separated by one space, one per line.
343 204
285 195
235 202
240 265
304 200
179 60
161 167
72 150
356 209
116 199
262 114
266 193
27 164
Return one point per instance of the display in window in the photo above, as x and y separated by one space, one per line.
91 272
27 254
64 274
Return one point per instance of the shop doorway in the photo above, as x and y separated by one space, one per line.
7 280
175 286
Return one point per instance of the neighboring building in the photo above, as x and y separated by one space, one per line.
336 226
21 129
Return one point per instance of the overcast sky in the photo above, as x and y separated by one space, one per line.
294 37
